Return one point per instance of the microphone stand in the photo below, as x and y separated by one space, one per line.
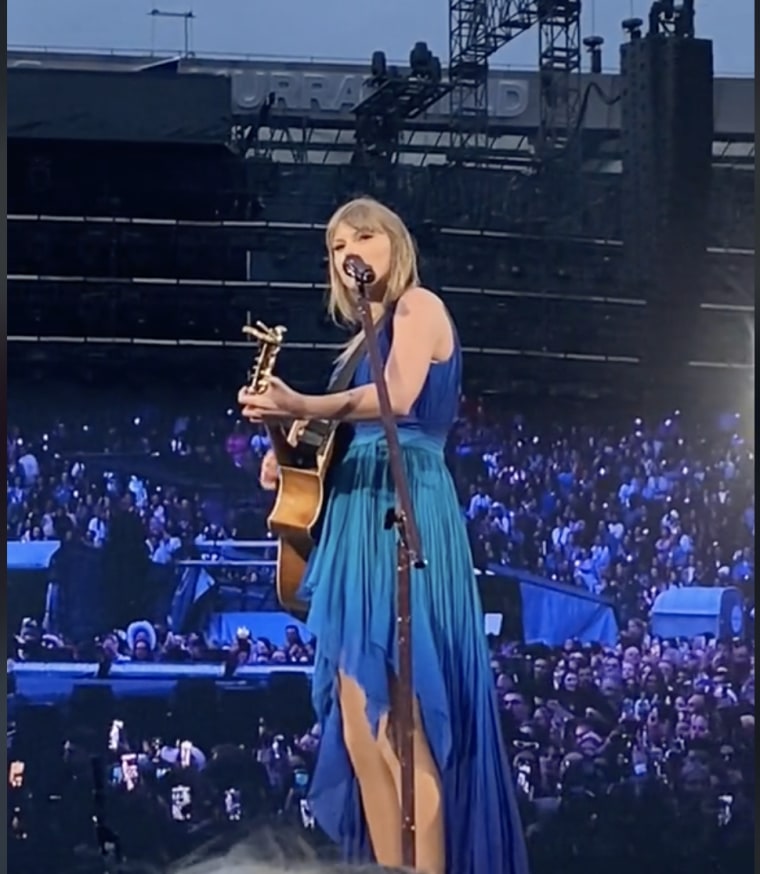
409 554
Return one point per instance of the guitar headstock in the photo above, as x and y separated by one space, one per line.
269 342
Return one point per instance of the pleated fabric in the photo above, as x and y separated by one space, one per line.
351 585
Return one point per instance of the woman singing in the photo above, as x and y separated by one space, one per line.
466 814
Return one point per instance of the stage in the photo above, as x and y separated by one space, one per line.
48 682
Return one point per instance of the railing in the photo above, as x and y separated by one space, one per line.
150 671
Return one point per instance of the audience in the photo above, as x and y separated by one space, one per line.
626 512
654 734
604 742
631 508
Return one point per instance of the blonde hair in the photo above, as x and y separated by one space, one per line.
367 214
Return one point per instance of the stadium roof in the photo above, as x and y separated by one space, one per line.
333 88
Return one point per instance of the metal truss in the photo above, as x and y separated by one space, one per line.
317 139
478 29
312 141
392 102
559 59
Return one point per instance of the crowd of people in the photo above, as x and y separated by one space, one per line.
144 642
654 735
66 478
606 743
626 511
123 790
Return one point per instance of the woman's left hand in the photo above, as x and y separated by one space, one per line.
279 401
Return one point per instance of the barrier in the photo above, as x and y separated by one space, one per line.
54 682
196 578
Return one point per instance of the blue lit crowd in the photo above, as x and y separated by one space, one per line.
650 736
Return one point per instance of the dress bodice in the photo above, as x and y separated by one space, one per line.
436 408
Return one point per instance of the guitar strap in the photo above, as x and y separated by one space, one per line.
318 430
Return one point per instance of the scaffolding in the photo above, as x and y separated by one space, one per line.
478 29
559 63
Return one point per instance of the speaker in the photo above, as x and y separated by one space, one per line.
240 709
686 164
289 707
639 110
666 138
193 710
91 708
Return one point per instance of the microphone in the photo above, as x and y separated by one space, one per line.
354 267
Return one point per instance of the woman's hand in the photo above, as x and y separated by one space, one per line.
278 402
269 473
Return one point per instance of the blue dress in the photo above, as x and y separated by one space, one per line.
350 582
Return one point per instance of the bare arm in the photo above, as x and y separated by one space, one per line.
420 329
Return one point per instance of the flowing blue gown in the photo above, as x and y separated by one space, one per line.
350 582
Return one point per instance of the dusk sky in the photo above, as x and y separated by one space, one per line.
336 29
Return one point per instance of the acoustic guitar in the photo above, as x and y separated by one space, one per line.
304 453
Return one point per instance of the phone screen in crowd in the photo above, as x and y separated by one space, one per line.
129 770
307 817
181 803
725 811
232 805
115 776
16 775
186 754
525 779
115 735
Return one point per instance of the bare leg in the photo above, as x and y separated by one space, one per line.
430 847
377 788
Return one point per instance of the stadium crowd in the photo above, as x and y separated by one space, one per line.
625 511
650 737
145 642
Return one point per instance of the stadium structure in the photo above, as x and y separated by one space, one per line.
588 233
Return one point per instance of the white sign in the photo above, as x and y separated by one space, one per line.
335 91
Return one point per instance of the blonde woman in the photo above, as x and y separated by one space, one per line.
466 815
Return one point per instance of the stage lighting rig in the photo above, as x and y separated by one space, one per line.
632 26
395 97
670 20
593 45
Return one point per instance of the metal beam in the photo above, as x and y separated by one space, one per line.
478 29
559 65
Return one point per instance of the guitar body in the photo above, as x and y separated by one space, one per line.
294 517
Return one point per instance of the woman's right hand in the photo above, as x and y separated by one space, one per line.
269 475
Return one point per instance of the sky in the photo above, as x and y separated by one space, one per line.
336 29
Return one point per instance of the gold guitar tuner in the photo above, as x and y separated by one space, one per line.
269 342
